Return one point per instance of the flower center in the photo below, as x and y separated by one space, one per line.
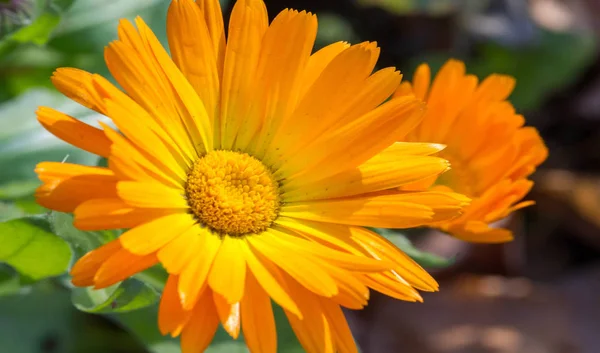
233 193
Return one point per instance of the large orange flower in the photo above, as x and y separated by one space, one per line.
248 169
490 152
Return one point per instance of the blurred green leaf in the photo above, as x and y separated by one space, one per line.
129 295
9 281
540 69
24 142
39 31
92 24
8 210
404 7
143 325
30 21
423 258
81 241
17 189
29 246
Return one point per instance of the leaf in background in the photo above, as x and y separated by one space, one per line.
9 281
24 142
81 241
92 24
423 258
29 21
406 7
17 189
129 295
8 210
30 247
540 69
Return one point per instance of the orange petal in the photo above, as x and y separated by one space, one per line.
195 273
304 269
229 269
100 214
393 210
150 237
171 316
194 55
271 280
200 330
85 268
65 186
74 131
258 323
151 195
121 266
229 314
313 330
247 25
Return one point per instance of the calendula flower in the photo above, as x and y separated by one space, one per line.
490 151
248 168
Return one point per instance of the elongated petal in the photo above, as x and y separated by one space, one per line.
171 316
85 268
304 269
400 210
229 270
73 131
258 324
121 266
318 62
285 50
201 328
194 275
229 314
354 144
66 186
149 237
100 214
247 26
313 330
151 195
194 55
270 279
384 171
211 10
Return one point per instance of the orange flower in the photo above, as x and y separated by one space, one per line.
490 152
249 171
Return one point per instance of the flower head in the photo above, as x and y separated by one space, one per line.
249 171
490 152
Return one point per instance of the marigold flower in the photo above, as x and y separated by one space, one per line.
248 168
490 152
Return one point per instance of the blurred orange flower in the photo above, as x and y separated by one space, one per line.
491 153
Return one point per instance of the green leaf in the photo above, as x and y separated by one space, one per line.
423 258
81 241
29 246
540 69
129 295
9 281
31 21
8 210
39 31
24 142
17 189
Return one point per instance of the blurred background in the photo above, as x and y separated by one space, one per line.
534 295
